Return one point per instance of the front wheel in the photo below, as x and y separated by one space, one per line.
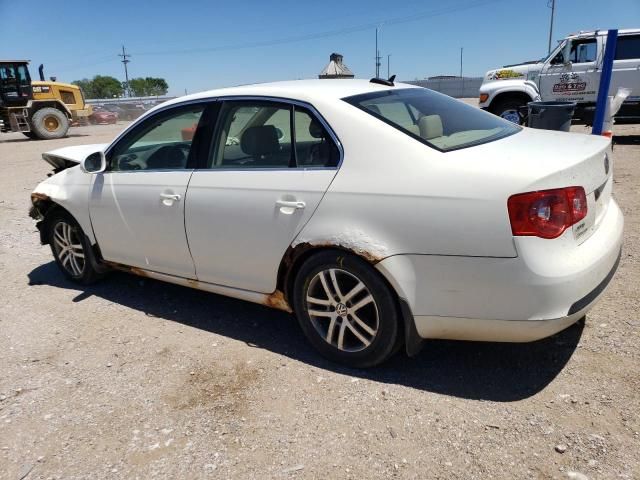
509 109
71 248
346 309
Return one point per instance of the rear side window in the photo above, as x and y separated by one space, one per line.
264 134
628 47
434 119
314 145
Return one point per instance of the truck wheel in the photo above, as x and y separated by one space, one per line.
30 135
509 109
48 123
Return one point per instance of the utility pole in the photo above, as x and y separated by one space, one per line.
125 59
378 57
551 4
388 63
461 77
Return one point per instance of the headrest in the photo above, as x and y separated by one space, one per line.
430 126
260 140
316 130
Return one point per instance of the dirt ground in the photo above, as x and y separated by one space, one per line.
133 378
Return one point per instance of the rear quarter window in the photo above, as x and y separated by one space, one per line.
434 119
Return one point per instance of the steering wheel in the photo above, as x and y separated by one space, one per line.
167 156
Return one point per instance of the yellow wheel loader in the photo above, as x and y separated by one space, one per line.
39 109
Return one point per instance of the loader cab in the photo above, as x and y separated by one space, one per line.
15 83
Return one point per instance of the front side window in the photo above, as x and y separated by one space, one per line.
434 119
162 142
582 51
628 48
264 134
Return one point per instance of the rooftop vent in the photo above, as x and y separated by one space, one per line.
335 68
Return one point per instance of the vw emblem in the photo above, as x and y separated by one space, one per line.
341 309
606 164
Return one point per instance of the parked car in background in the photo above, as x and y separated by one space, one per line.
571 72
131 111
379 214
101 116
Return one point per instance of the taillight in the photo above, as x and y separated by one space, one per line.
547 213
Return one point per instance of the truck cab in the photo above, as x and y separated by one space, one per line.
571 72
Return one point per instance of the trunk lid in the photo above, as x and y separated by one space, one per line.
561 160
533 160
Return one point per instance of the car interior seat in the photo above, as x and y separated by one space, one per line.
430 126
261 143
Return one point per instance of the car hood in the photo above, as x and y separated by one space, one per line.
513 72
66 157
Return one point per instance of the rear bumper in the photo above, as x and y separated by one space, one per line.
454 328
542 291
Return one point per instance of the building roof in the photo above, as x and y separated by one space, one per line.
335 68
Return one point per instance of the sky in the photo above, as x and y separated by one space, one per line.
199 45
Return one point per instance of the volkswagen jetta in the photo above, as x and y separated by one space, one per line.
381 214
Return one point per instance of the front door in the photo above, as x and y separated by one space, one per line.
137 205
269 167
575 79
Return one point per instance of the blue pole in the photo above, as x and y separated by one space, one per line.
605 81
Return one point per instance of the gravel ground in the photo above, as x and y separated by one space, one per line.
133 378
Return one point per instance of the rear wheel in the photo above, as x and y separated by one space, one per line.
509 109
346 309
71 248
48 123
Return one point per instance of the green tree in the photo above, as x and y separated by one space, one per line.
148 86
106 87
85 85
100 86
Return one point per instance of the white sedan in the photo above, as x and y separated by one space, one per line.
380 214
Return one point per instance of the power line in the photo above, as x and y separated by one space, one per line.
328 33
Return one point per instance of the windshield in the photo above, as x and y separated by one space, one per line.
434 119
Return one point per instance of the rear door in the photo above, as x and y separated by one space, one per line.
269 166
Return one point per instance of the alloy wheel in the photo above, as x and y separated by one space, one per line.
68 248
342 310
512 115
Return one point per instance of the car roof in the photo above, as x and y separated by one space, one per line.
591 33
302 90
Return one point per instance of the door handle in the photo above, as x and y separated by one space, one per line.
298 205
170 196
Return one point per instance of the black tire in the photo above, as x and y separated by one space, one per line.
56 224
30 135
509 108
348 271
49 123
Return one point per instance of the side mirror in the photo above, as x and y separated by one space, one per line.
566 52
94 163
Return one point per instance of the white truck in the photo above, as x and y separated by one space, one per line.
571 72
